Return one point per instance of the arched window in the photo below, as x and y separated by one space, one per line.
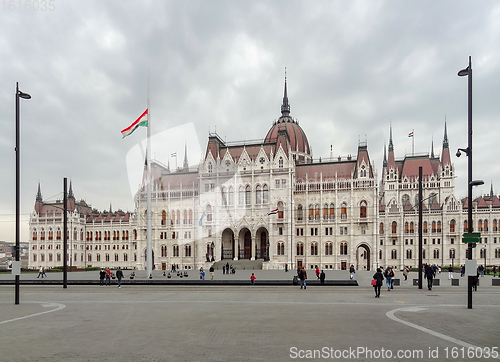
209 213
163 218
299 213
241 196
42 235
258 195
248 195
466 229
107 257
452 253
116 257
425 227
300 249
343 211
172 221
316 213
187 250
175 250
485 225
394 254
311 212
328 248
394 227
135 234
480 225
185 219
281 162
380 254
452 226
412 229
406 227
281 248
210 168
281 210
381 228
439 226
482 253
314 248
98 257
332 211
409 254
343 248
224 196
325 212
178 218
495 225
50 256
75 234
231 195
125 257
362 209
265 194
163 251
190 217
35 234
436 253
89 257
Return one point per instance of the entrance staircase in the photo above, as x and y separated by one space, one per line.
240 264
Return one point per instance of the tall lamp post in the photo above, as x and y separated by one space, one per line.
468 151
19 94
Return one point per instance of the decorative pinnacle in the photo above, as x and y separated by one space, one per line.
285 107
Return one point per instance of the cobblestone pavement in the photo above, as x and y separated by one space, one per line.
228 323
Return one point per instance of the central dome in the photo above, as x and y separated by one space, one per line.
297 136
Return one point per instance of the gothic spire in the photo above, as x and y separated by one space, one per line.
432 147
391 146
70 192
186 163
491 190
385 156
39 194
285 107
445 140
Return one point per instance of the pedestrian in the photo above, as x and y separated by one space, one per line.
119 276
494 270
405 272
211 272
102 275
108 277
352 271
450 273
462 270
389 274
201 271
322 277
252 279
429 274
481 270
227 268
317 273
379 278
43 272
475 280
223 269
286 268
302 277
40 272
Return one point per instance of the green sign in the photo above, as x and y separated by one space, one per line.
471 237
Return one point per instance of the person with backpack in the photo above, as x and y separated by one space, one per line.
352 271
302 277
252 279
379 279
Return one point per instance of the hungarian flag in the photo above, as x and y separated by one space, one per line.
275 211
410 134
141 121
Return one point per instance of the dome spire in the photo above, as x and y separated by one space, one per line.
285 107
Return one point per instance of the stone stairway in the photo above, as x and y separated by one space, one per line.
240 264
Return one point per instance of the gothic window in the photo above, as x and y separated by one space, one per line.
409 254
231 195
316 213
248 195
412 229
311 212
406 227
394 254
362 209
163 218
394 227
281 248
343 248
452 253
299 213
175 250
280 210
265 194
329 248
485 225
332 211
224 196
439 226
125 257
300 249
425 227
163 251
343 211
258 195
241 196
281 162
190 220
178 218
314 248
381 228
466 229
34 234
436 253
495 225
433 229
325 212
452 226
210 168
187 250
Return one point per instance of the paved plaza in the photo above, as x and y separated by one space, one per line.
248 323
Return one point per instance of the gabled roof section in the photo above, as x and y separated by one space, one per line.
411 164
328 170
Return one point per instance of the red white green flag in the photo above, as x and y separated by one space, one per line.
141 121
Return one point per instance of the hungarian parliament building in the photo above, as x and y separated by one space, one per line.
271 201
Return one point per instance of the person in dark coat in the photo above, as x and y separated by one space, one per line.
379 277
322 277
102 275
429 274
119 276
302 277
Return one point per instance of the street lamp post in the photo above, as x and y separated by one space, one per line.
19 94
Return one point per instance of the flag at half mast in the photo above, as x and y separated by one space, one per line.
141 121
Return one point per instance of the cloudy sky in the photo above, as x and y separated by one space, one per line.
353 67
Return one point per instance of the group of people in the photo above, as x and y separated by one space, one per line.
41 272
105 276
388 274
228 269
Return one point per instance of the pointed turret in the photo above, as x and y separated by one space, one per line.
110 210
432 148
39 194
445 155
186 163
385 157
285 107
491 190
39 200
391 162
70 192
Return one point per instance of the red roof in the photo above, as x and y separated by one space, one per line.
298 138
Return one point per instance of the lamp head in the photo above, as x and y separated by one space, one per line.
459 153
476 183
24 95
463 72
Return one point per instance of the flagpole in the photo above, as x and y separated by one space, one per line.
149 251
413 142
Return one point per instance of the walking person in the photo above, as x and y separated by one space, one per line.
43 272
462 270
119 276
40 272
223 269
389 274
302 277
322 277
211 272
317 273
102 275
450 273
379 278
405 272
227 268
252 279
352 271
429 274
